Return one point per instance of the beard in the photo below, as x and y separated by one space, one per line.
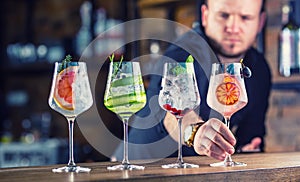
218 49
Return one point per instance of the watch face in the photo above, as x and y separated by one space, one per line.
187 132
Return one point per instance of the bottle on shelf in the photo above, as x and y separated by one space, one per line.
6 135
289 48
84 35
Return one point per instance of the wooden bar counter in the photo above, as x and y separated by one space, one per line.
261 167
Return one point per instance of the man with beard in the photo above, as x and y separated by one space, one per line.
230 28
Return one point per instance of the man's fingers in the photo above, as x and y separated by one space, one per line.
217 138
256 142
223 130
207 147
214 139
253 146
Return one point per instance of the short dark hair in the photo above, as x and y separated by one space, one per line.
261 10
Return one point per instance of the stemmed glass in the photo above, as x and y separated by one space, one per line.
179 95
70 95
125 95
227 94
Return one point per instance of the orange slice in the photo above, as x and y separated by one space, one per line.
63 94
228 92
228 79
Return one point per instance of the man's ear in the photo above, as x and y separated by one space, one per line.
262 21
204 12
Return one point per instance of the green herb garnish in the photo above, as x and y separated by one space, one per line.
65 62
116 67
111 58
67 59
189 59
180 69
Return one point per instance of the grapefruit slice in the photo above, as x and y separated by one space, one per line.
63 94
228 92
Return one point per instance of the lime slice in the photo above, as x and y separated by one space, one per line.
189 67
189 59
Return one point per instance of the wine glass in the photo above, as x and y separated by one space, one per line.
70 95
125 95
227 94
179 95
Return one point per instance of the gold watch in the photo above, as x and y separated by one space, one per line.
190 132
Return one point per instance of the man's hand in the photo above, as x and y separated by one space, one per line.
253 146
214 139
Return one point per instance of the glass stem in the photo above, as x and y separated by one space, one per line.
125 154
71 121
180 160
227 159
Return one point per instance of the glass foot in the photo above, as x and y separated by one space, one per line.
228 164
180 165
126 167
67 169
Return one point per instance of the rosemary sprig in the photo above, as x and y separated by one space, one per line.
68 58
111 57
116 67
64 63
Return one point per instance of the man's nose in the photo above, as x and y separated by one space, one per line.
232 24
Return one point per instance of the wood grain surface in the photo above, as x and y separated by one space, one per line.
260 167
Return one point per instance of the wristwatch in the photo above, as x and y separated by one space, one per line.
189 133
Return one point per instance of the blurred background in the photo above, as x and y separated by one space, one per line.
36 33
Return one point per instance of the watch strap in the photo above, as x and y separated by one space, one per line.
190 141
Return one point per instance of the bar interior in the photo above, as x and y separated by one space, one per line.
36 34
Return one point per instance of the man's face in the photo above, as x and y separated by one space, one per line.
232 25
